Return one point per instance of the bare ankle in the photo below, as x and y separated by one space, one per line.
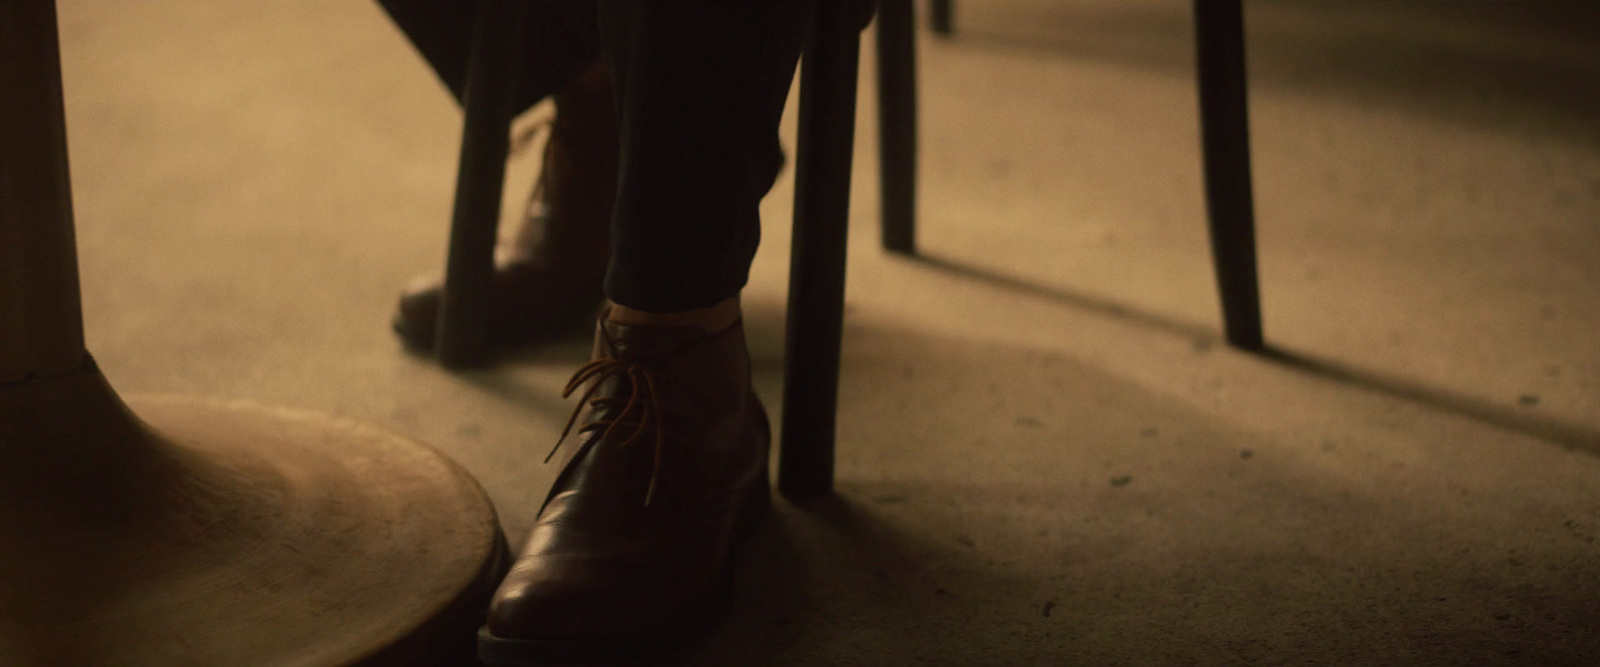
713 318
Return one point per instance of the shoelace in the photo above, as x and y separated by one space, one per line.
644 387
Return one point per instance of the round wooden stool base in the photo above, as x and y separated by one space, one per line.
227 533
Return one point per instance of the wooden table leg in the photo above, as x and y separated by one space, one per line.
817 262
488 104
1225 142
200 532
897 124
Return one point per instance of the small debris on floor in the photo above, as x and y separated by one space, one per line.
1528 399
1121 480
1247 454
1048 606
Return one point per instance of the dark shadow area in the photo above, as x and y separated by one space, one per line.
1524 65
573 349
498 377
791 597
1106 524
1570 436
1201 336
1032 553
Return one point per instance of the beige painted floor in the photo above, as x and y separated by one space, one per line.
1045 456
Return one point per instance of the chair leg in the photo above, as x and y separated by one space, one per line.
487 105
817 263
897 124
1225 142
941 15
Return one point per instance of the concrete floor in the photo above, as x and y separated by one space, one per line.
1045 455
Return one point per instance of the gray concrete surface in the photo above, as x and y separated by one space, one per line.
1046 457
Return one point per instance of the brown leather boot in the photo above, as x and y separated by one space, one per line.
632 554
549 279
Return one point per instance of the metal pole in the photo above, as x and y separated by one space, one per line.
487 107
1225 144
817 262
41 318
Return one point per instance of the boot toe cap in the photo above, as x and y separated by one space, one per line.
565 598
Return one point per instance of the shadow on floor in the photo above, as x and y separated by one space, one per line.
1199 335
1568 435
1047 513
1000 505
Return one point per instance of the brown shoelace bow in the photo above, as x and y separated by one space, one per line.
645 400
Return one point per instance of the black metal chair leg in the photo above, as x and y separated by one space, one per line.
940 15
817 263
487 105
897 124
1225 142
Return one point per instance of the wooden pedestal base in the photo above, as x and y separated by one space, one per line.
226 533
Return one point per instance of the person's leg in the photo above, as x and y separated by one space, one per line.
560 42
699 144
548 277
667 470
